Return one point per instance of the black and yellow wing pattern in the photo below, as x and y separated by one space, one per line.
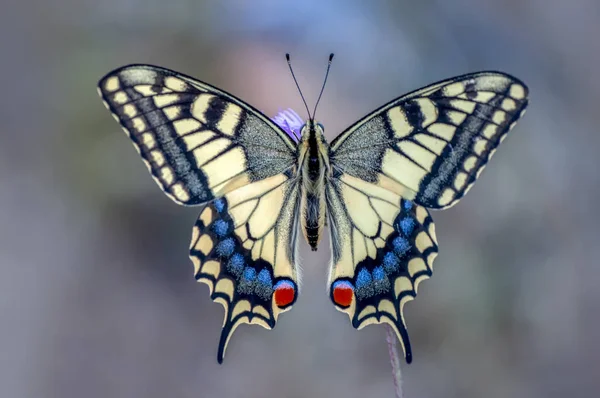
205 147
383 246
244 247
197 141
431 145
422 150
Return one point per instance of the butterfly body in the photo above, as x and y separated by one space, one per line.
314 171
257 186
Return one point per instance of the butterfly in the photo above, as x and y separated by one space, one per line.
257 186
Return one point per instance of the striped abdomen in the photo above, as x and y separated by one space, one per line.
313 217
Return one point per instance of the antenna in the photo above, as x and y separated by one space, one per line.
324 81
287 57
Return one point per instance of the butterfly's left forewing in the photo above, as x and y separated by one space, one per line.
197 141
243 247
383 247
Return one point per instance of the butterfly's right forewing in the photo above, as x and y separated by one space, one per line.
431 145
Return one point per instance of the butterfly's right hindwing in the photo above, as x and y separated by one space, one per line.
198 142
243 247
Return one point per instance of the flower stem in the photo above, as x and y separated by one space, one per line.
395 360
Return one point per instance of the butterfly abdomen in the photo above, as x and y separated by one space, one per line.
313 209
313 219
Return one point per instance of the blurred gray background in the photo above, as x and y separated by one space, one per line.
97 293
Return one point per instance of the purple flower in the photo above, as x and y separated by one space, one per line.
290 122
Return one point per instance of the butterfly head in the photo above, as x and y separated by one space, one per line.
312 139
311 127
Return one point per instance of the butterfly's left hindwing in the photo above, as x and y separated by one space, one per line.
383 247
243 248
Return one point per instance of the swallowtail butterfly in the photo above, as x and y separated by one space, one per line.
256 186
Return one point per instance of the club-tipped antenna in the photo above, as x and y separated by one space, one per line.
287 57
323 86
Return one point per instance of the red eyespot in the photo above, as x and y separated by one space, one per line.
342 293
285 293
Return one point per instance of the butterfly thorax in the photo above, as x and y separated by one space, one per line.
313 164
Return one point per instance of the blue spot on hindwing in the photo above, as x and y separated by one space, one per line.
401 246
363 278
249 274
264 285
407 225
219 204
220 227
264 278
236 264
247 282
390 262
407 204
378 273
364 284
225 247
381 283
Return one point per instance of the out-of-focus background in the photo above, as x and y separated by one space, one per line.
97 293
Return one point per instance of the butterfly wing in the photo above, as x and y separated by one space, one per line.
431 145
198 142
383 246
425 149
206 147
244 247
